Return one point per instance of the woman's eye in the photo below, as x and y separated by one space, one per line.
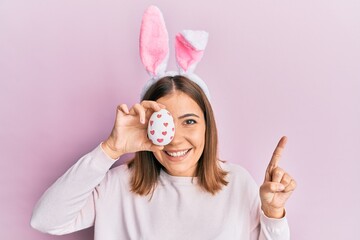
190 122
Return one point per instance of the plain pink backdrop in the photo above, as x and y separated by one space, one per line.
273 68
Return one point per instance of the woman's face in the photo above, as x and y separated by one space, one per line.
180 157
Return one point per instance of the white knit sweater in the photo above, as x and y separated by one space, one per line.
89 194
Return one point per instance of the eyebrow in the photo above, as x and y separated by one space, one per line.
188 115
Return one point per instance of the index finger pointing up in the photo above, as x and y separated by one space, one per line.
276 155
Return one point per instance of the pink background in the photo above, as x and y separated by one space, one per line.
273 67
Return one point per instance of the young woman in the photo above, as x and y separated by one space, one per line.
177 191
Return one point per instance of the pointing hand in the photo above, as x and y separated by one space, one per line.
278 185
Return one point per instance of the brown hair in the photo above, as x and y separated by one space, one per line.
146 168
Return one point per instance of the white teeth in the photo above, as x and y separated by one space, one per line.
177 154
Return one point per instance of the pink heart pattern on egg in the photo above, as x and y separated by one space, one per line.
161 127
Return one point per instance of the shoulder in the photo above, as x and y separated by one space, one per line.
121 172
235 170
238 176
117 177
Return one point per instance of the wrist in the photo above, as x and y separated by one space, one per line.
271 212
110 149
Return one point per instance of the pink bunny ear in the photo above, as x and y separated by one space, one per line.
154 42
190 46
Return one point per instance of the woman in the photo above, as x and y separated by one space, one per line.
178 191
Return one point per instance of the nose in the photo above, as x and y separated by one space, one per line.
178 136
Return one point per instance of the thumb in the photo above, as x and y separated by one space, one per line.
272 187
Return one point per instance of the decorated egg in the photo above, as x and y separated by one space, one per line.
161 127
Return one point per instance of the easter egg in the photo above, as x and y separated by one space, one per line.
161 127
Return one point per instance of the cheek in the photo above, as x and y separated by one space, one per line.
198 139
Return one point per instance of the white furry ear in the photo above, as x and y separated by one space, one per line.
189 47
154 50
154 42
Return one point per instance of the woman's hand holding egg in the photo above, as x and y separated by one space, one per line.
129 133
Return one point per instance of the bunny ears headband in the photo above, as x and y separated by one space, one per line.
154 50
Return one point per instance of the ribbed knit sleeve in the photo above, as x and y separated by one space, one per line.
264 228
69 204
272 228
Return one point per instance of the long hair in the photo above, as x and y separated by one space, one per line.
146 168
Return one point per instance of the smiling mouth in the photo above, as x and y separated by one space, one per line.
177 154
